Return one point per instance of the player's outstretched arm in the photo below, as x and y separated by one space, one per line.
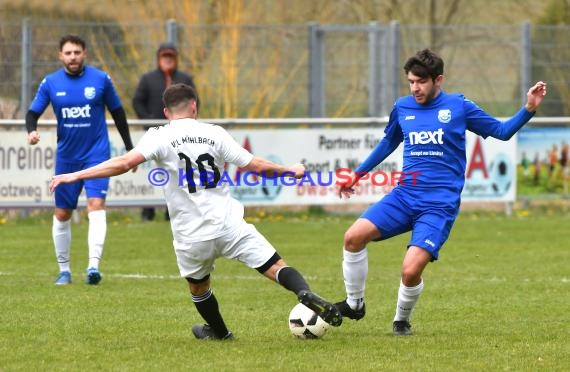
534 96
112 167
508 128
270 169
384 148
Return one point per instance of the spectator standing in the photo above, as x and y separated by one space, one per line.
147 101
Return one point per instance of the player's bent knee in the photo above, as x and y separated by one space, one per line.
411 276
199 286
354 242
63 215
411 280
95 204
199 289
360 234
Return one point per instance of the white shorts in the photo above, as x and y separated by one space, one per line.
245 244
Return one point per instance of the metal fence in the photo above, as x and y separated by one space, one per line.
309 70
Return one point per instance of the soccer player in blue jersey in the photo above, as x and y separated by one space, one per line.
79 94
432 125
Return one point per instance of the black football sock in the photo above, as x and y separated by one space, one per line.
207 306
292 280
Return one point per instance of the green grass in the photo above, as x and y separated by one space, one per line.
498 300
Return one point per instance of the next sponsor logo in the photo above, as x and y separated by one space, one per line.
76 112
427 137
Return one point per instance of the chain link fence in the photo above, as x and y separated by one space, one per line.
263 71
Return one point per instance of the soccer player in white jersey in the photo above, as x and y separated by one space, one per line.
206 221
432 124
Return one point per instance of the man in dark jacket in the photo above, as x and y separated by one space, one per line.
147 101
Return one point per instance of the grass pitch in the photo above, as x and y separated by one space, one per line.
498 299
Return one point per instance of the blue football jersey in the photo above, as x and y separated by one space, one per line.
434 142
79 104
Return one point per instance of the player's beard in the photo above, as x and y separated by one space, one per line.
74 68
427 97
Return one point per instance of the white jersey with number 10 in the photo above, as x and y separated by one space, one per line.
195 155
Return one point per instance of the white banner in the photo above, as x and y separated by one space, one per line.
26 171
491 166
490 171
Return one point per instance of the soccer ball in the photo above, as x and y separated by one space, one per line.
501 174
304 323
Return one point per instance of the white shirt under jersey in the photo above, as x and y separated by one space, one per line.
197 212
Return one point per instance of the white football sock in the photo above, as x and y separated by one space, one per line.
407 298
61 233
355 271
96 236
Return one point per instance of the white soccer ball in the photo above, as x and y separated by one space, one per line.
304 323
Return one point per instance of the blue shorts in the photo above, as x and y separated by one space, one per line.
67 195
396 213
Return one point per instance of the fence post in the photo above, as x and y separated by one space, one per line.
172 31
375 96
525 61
26 60
316 71
395 71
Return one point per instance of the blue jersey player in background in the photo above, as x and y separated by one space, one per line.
432 124
79 95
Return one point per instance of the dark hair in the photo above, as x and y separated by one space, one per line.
425 64
73 39
179 93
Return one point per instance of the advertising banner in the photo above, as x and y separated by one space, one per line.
543 164
491 169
